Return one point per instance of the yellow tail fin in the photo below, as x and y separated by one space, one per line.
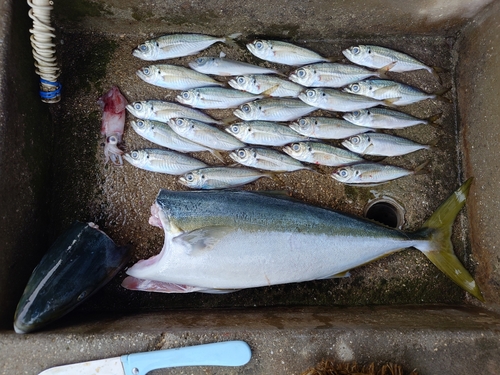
438 229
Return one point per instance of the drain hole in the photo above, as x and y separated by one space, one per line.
386 212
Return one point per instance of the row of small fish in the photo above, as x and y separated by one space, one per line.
258 112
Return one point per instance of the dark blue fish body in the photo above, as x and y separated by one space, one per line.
79 262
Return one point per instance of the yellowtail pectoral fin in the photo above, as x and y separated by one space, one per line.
202 239
438 230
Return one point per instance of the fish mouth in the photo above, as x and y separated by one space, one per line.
288 150
183 181
346 53
239 113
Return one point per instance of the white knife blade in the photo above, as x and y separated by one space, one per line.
227 353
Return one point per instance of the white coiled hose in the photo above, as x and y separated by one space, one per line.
44 50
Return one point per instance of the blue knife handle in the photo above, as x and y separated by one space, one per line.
227 353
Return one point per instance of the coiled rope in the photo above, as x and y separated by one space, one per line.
44 50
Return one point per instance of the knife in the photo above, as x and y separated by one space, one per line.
227 353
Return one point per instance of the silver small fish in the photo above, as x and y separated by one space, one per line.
204 134
221 66
178 45
369 174
163 161
267 159
378 57
383 118
163 111
283 52
321 153
221 177
163 135
326 128
215 98
273 109
175 77
270 85
381 144
335 100
330 75
264 133
382 89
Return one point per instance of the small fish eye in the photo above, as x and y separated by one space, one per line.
245 108
355 87
356 50
138 106
140 123
302 122
185 94
189 177
343 173
311 93
235 128
179 121
143 47
356 113
146 71
259 44
241 153
301 73
296 147
240 80
200 60
134 154
355 140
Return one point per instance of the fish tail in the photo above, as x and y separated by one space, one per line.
229 39
431 120
437 229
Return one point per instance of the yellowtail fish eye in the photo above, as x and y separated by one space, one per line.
356 50
245 108
138 106
134 154
301 73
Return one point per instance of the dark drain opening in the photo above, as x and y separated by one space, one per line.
387 212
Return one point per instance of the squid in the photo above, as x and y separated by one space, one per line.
113 105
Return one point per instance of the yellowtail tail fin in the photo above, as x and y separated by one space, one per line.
438 229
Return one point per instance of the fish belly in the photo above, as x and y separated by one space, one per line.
253 258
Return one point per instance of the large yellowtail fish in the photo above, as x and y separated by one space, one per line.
221 241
